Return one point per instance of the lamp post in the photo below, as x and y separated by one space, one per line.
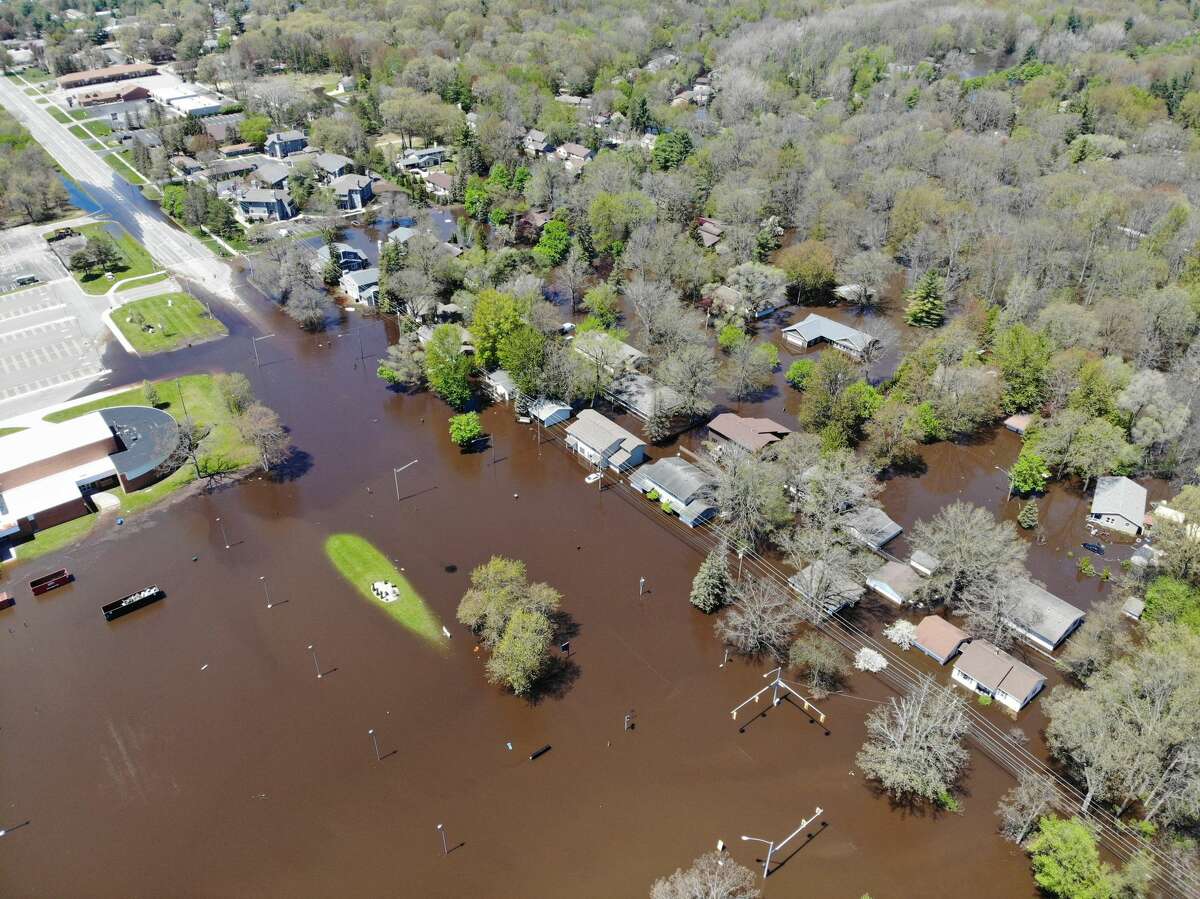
316 664
254 343
223 534
445 845
772 845
266 589
374 742
396 476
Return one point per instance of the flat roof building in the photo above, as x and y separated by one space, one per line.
108 73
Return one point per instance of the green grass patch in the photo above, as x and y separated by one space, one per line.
175 320
34 75
134 256
143 282
4 432
98 128
59 115
79 114
123 167
362 564
53 539
78 131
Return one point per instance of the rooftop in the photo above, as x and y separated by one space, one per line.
594 430
997 670
818 327
44 442
676 476
1120 496
939 637
749 433
1044 613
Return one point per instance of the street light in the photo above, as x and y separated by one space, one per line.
772 845
266 589
445 845
254 343
770 850
223 534
396 476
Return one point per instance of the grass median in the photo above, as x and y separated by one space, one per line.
135 260
166 322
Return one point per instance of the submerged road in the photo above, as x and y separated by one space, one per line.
119 200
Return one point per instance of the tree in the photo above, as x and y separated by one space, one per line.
499 589
150 393
553 244
926 305
1100 640
447 368
750 495
1066 861
761 619
800 372
235 390
750 369
763 286
811 269
261 428
1156 415
308 307
1170 599
712 586
465 429
712 876
1029 473
191 437
254 129
522 354
1021 807
1023 356
522 654
914 744
974 549
1028 516
403 365
671 149
496 315
691 371
822 662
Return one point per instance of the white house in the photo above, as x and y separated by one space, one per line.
362 285
549 412
604 443
987 670
679 484
1042 617
500 385
1119 504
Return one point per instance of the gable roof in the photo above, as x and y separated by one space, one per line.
997 670
872 525
608 351
939 637
285 136
346 183
332 162
1042 613
265 195
749 433
643 395
677 476
600 433
270 172
1120 496
818 327
364 277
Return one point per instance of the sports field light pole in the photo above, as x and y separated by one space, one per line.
266 589
776 686
396 476
772 845
223 534
445 845
254 343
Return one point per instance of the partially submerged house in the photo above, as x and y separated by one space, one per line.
604 443
350 259
1042 617
549 412
896 582
818 584
749 434
362 285
939 639
1019 424
991 672
923 563
1119 504
260 204
680 485
500 385
614 356
815 329
871 525
645 397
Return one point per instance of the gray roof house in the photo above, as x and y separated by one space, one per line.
352 191
642 395
818 584
350 259
423 158
989 671
604 349
270 174
536 144
224 169
333 165
402 234
282 144
500 385
1042 617
819 329
604 443
265 204
939 639
186 165
895 581
1120 504
549 412
361 285
871 526
679 484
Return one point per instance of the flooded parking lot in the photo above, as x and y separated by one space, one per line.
190 747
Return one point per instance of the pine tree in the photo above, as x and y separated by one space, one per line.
712 584
1028 516
926 305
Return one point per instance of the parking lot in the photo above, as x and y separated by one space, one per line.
51 334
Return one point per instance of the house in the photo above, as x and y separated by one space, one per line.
424 158
1119 504
219 127
332 165
402 234
549 412
282 144
575 156
722 298
819 329
710 232
108 73
1018 424
500 385
270 174
1042 617
642 395
990 672
352 191
266 204
604 443
185 165
536 144
818 584
232 151
227 169
350 259
895 581
871 526
605 350
749 434
939 639
679 484
923 563
438 183
361 285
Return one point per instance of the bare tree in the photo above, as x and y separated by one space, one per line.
262 429
1022 806
712 876
822 661
973 548
761 619
750 495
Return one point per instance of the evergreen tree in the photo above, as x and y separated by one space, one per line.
1028 516
711 585
926 304
639 115
332 272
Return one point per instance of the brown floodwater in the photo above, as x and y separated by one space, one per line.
189 749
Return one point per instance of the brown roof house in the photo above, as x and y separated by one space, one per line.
749 434
991 672
939 639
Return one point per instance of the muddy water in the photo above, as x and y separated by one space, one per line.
190 750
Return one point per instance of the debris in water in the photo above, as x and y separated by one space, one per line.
204 666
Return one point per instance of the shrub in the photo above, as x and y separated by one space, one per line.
667 507
465 429
799 373
1086 568
731 337
984 701
653 496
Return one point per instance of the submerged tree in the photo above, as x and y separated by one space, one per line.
926 305
761 619
712 876
821 661
1021 807
974 549
711 586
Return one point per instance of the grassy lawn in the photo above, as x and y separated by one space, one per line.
79 114
154 279
59 115
33 75
362 564
4 432
98 128
223 449
78 131
179 320
136 261
123 167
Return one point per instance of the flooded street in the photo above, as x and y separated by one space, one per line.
190 748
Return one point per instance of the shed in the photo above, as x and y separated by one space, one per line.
549 412
1018 424
500 385
923 563
1133 608
939 639
991 672
895 581
872 526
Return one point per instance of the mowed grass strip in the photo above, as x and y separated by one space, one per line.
360 563
135 260
176 319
